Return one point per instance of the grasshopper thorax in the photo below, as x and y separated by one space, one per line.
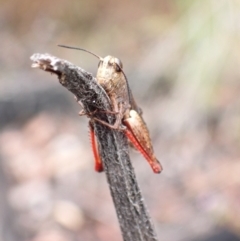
109 72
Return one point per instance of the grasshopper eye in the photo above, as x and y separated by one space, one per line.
119 65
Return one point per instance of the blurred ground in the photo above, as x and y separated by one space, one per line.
182 60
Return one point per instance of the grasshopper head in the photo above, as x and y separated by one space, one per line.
109 69
110 63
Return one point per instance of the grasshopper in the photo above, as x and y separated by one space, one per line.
129 118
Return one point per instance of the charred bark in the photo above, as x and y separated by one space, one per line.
133 216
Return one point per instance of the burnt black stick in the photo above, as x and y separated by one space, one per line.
134 220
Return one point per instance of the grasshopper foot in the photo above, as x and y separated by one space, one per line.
98 167
156 166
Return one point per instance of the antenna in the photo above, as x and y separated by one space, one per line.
69 47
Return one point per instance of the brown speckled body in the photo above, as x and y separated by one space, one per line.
112 78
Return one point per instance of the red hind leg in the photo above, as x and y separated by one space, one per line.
153 162
98 162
